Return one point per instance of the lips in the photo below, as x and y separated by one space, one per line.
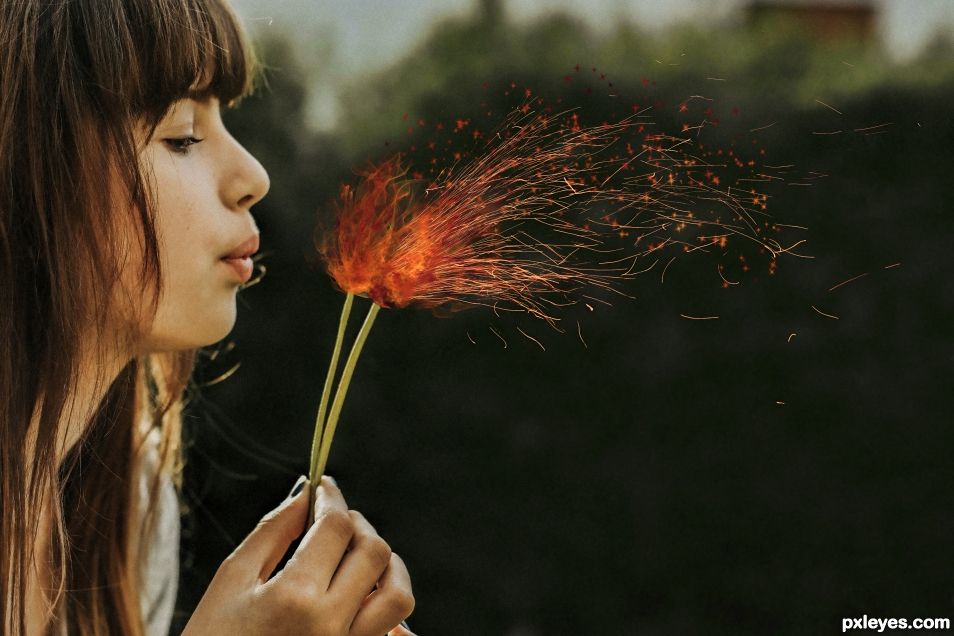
245 249
239 260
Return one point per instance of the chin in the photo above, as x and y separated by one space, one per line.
208 340
205 330
215 332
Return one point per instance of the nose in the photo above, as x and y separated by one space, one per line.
248 181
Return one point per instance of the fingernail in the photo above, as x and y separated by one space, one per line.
405 625
299 485
332 480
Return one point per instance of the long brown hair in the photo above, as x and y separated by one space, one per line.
77 79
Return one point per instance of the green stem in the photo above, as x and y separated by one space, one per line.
325 395
332 422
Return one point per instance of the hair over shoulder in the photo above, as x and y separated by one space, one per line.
78 79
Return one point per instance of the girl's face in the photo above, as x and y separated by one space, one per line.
204 184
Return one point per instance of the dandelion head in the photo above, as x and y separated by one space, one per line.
357 248
545 211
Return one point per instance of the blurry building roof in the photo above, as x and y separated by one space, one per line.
830 20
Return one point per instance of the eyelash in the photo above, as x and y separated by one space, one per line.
181 145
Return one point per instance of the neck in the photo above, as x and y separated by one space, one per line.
93 381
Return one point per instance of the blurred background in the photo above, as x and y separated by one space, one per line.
669 476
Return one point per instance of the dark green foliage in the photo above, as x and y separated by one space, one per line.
651 482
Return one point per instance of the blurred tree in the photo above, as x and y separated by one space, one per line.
492 12
669 476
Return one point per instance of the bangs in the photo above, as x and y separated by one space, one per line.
187 48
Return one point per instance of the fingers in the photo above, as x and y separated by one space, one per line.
328 497
389 604
367 559
265 546
341 555
323 546
401 630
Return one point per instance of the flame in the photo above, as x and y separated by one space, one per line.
526 223
366 221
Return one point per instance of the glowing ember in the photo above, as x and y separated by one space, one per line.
542 213
547 207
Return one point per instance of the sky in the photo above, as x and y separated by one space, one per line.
354 36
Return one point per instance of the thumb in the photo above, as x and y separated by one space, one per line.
265 546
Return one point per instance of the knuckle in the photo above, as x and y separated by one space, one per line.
269 519
362 526
400 603
369 542
338 522
297 599
230 566
378 550
268 523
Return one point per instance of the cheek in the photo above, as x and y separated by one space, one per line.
197 304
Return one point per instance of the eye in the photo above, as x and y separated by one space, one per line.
181 145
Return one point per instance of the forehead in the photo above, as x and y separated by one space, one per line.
188 54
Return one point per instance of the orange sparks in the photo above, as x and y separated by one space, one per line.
579 332
820 312
845 282
829 106
529 337
546 209
468 244
496 333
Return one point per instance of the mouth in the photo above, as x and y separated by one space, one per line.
239 260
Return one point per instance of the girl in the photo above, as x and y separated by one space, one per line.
125 233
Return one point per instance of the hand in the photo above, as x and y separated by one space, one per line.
401 630
342 580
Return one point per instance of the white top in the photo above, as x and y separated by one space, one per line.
159 567
159 563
